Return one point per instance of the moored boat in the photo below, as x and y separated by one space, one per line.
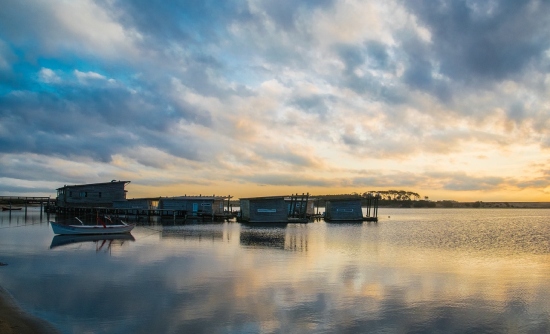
9 208
101 228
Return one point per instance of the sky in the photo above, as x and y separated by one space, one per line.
446 98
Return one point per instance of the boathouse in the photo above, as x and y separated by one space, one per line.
350 209
346 209
137 205
274 209
193 206
91 195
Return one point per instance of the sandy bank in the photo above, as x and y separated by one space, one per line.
14 320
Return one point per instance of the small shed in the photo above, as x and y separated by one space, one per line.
91 195
344 209
193 206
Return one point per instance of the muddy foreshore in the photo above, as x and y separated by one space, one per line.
14 320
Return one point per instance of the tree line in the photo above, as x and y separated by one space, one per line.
394 195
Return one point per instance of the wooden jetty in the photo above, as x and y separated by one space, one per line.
137 213
109 198
12 203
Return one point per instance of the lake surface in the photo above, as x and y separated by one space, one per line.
415 271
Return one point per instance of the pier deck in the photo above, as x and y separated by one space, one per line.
13 202
166 213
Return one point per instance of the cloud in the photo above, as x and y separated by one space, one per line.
288 180
6 56
474 183
80 26
475 42
48 76
256 91
82 77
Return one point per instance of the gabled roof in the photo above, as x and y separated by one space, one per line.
93 184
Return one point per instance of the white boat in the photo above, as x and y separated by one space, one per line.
102 228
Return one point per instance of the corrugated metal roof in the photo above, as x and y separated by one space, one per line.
92 184
195 198
265 197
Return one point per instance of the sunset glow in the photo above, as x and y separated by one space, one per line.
448 99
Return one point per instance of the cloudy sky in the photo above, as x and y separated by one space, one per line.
446 98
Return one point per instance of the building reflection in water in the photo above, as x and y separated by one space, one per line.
291 237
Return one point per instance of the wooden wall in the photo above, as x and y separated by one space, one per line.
264 210
204 205
344 210
92 195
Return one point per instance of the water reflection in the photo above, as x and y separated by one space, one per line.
292 237
264 236
420 271
100 240
191 234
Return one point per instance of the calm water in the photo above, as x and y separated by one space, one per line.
415 271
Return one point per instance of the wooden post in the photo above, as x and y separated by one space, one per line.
306 204
291 207
376 207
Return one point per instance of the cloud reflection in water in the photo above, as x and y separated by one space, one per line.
402 275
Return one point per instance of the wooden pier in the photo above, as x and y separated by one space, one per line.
10 203
137 213
372 208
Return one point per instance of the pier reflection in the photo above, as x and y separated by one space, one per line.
186 233
213 231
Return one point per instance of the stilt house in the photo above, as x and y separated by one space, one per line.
137 205
91 195
274 209
350 209
194 206
343 209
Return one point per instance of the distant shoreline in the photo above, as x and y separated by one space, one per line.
470 205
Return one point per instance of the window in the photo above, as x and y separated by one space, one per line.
99 194
83 194
267 210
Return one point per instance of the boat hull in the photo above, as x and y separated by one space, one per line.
4 208
90 229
